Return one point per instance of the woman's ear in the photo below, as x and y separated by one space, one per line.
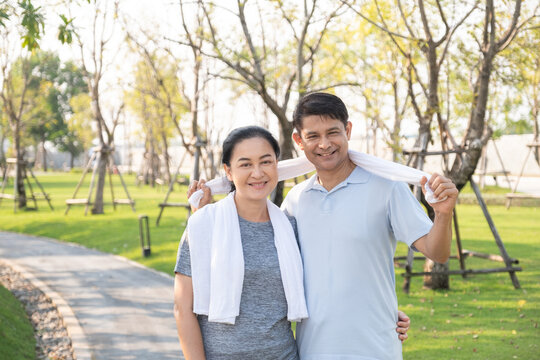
228 172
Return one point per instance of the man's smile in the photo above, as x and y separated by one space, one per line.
326 154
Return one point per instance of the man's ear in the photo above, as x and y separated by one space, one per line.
348 130
298 140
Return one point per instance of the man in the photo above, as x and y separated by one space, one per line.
349 221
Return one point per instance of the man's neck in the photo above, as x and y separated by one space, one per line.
330 179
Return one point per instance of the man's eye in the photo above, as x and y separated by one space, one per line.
245 165
266 162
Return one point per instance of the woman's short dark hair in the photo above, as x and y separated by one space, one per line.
320 104
244 133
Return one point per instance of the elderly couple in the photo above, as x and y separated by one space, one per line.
246 269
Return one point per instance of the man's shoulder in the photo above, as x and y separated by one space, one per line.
297 189
289 205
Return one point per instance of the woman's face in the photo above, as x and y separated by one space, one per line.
253 169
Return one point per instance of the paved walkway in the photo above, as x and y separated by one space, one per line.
113 307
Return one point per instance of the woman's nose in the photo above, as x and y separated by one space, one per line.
257 172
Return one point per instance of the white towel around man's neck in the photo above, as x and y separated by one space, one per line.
217 261
288 169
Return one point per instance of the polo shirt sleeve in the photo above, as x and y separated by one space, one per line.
407 218
286 206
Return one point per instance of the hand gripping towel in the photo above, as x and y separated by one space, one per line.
217 261
292 168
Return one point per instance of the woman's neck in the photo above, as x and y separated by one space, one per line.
251 210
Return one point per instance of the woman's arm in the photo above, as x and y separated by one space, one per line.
189 331
403 324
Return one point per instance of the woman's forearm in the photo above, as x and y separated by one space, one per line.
189 331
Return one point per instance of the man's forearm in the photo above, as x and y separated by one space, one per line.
439 238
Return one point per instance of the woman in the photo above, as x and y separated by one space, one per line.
244 312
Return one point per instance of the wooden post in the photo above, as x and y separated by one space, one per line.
88 165
458 242
41 188
111 169
495 233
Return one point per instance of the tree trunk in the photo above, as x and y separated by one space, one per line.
43 155
286 146
71 160
100 186
19 169
166 158
2 154
436 280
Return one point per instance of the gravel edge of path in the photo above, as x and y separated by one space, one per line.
81 348
52 338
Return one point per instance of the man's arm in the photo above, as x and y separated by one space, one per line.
436 244
189 331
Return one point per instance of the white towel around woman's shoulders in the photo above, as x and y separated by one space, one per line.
217 261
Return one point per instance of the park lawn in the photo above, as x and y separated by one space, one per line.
481 317
16 333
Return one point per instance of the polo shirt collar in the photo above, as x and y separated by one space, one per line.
357 176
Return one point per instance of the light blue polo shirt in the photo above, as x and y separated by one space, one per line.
347 238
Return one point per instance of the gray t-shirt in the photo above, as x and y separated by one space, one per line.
262 330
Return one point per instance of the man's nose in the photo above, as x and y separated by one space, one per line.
324 143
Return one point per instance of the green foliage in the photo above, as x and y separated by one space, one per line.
16 333
65 30
4 15
57 84
156 97
33 23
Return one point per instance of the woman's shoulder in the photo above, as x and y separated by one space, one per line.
202 215
292 220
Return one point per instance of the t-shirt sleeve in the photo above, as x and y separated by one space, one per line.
183 259
408 220
294 226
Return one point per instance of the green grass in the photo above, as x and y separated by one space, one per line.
16 333
481 317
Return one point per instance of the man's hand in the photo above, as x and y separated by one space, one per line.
442 187
404 322
207 195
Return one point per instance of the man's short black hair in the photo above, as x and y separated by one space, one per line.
320 104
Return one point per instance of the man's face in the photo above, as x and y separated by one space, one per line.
324 141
